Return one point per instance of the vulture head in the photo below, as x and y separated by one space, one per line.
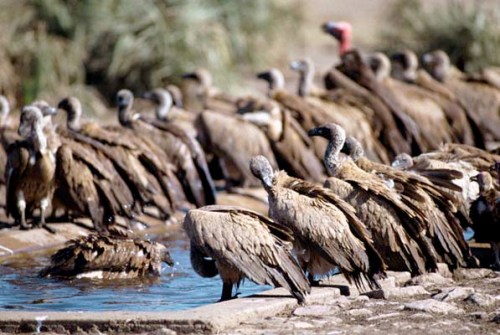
201 76
404 65
402 161
305 67
353 148
73 109
437 63
274 78
4 109
165 255
31 121
380 65
262 169
334 133
176 94
484 180
163 101
341 31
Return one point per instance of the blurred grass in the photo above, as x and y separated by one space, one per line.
469 31
49 46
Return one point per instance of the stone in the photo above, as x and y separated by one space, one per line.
404 292
341 302
359 312
430 279
302 325
401 277
479 315
444 270
467 274
496 319
383 316
433 306
422 316
388 282
314 310
362 298
453 293
481 299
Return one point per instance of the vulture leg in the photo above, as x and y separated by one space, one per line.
227 291
43 207
21 206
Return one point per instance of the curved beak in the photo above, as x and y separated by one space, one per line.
475 178
266 75
190 75
315 132
331 28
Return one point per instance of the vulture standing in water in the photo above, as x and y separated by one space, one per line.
339 111
482 100
182 150
30 169
111 256
243 244
326 230
484 213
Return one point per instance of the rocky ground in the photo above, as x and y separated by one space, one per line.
465 302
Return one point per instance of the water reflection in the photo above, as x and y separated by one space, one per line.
177 288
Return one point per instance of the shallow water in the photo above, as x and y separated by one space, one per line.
177 288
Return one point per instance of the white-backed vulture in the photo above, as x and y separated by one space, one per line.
405 68
209 96
234 141
352 119
243 244
355 68
484 213
438 206
30 171
167 110
113 256
291 146
131 168
422 108
482 100
182 150
326 230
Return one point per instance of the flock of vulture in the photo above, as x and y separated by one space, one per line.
322 154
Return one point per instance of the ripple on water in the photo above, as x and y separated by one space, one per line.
176 289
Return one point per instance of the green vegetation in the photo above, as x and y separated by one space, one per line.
56 47
469 31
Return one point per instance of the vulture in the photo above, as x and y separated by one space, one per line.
168 110
237 243
438 206
209 96
326 230
127 168
340 111
291 146
381 216
482 100
233 141
30 170
182 150
484 213
416 102
465 130
355 68
111 256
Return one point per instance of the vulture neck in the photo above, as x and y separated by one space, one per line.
332 160
164 107
275 124
306 81
124 114
4 110
74 116
38 138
